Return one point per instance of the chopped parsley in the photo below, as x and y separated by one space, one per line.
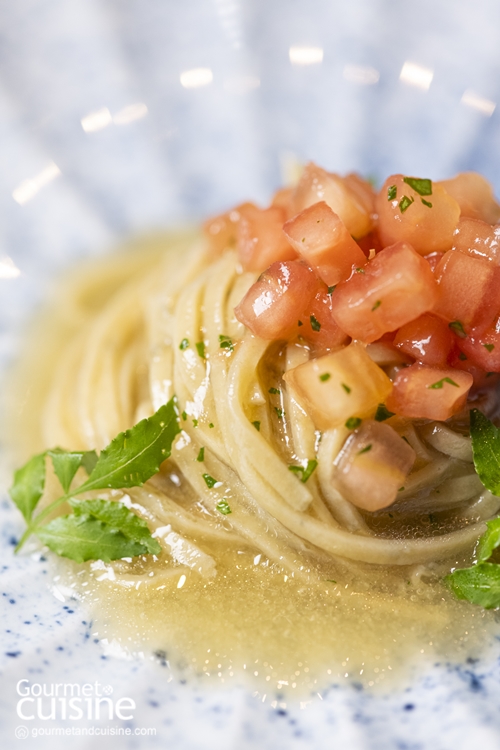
274 391
331 289
383 413
279 412
489 347
195 423
211 425
305 472
226 343
360 270
458 328
462 357
392 192
200 348
201 455
324 377
426 203
184 415
300 323
377 305
420 186
366 449
346 388
353 422
315 324
184 344
405 203
223 507
209 481
256 424
440 383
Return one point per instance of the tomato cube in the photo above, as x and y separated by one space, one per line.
468 290
427 339
373 465
433 260
260 237
478 239
474 195
283 199
423 392
482 348
340 385
460 361
273 305
347 201
221 231
426 220
392 289
321 238
319 327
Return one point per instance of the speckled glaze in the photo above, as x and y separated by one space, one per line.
187 152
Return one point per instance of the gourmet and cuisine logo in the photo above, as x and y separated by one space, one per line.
71 702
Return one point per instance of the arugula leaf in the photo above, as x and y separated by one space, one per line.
489 541
29 483
479 584
485 439
117 515
65 464
83 537
136 454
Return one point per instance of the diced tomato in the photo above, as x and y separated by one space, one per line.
370 242
405 215
469 290
423 392
373 465
364 191
260 237
482 348
272 307
478 239
392 289
433 260
319 327
340 385
474 195
321 238
427 339
283 199
460 361
317 185
221 231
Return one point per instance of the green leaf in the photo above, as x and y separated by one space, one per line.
420 186
84 538
440 383
489 541
65 464
392 192
89 460
184 344
304 472
201 454
256 424
325 376
458 328
225 342
426 203
209 481
405 203
315 324
29 483
119 517
485 439
136 454
383 413
353 422
200 348
223 507
479 584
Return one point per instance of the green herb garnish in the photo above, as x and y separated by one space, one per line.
184 344
383 413
489 347
440 383
392 192
209 481
462 357
223 507
315 324
98 529
201 455
377 305
420 186
300 323
458 328
426 203
256 424
279 412
274 391
324 377
304 471
211 425
200 348
226 343
405 203
353 422
366 449
346 388
331 289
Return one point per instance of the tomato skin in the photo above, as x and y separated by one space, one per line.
427 229
478 239
345 198
469 290
459 361
339 385
433 260
394 288
319 315
260 238
369 242
273 305
482 348
320 237
427 339
413 395
474 194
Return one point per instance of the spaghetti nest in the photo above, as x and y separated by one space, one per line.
169 328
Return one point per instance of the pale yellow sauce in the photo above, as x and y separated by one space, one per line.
374 626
